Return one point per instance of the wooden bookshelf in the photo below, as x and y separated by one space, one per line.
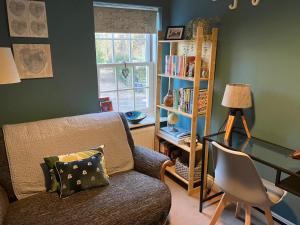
200 42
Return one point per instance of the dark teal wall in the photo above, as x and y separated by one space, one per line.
73 89
260 46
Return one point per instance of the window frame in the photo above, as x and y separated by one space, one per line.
149 62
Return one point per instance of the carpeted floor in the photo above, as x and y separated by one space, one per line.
185 210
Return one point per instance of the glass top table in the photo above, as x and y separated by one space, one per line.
272 155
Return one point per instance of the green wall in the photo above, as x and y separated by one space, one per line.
260 46
73 89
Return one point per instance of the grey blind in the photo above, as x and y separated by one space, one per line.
117 20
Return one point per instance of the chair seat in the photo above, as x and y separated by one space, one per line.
275 194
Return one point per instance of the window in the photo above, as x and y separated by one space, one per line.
126 70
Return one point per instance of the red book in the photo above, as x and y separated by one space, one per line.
106 106
190 66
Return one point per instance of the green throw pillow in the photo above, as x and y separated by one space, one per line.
80 175
50 162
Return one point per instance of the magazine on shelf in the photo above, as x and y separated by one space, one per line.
179 133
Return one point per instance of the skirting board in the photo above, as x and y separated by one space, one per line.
215 188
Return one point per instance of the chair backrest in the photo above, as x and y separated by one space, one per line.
236 175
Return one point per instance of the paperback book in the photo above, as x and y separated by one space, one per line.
181 66
183 100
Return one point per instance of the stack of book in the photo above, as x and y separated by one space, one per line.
105 104
179 133
183 100
181 66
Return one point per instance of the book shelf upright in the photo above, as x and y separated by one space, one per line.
196 80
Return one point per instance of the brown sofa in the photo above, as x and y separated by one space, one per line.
137 196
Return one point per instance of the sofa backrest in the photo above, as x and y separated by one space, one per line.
5 180
27 144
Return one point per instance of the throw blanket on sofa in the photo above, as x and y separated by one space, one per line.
28 143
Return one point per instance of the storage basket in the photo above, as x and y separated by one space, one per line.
182 169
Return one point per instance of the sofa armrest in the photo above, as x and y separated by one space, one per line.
3 204
150 162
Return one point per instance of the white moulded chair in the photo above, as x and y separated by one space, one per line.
237 177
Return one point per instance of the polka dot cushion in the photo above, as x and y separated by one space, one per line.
50 162
80 175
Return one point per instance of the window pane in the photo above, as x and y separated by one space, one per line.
141 77
107 79
103 35
121 48
138 36
104 51
126 101
141 98
112 97
124 78
121 36
138 50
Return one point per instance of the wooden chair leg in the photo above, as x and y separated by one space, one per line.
248 215
238 209
269 217
219 210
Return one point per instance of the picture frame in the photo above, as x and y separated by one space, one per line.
174 33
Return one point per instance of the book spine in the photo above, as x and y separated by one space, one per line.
202 101
181 99
170 65
191 100
175 99
166 64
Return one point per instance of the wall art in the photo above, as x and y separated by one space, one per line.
27 18
33 60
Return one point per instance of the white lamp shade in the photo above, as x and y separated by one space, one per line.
8 69
237 96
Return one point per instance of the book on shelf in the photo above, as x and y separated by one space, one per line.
179 133
183 100
180 66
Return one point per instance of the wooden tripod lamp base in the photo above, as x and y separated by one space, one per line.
231 118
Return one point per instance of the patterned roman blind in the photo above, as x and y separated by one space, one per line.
118 20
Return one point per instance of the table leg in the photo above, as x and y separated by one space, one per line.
278 176
202 175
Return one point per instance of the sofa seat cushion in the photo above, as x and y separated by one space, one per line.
131 198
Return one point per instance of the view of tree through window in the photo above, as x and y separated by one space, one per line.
124 70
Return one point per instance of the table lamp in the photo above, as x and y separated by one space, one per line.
236 97
8 69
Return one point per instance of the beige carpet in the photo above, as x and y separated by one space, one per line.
185 210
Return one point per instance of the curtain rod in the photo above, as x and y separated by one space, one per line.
125 6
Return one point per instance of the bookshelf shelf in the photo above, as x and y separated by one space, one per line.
177 143
180 78
194 57
171 170
170 109
206 37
